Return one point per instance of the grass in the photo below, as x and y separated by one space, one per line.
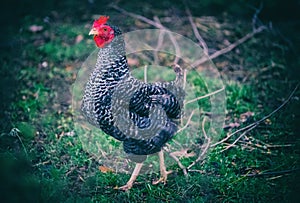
43 158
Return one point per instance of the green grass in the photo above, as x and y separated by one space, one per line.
44 158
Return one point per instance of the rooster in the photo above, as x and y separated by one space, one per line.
144 116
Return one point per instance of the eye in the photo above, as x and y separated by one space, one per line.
104 29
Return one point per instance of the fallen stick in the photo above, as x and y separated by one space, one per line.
196 32
200 157
272 173
253 125
156 23
230 47
204 96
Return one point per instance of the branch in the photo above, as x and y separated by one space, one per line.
15 133
156 23
184 78
181 153
204 96
179 163
255 16
253 125
158 46
230 135
145 73
187 123
196 32
243 134
260 144
172 38
177 49
273 172
230 47
145 57
200 157
142 18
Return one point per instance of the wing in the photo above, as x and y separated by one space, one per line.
152 95
154 110
141 110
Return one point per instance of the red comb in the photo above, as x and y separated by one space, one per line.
102 20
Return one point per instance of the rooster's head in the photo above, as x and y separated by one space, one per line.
103 33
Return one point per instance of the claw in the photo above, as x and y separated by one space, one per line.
124 187
163 172
163 178
132 179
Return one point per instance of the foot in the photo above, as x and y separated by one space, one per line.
132 179
126 187
163 178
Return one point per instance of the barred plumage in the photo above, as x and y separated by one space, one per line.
143 116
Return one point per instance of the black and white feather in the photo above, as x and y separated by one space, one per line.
142 115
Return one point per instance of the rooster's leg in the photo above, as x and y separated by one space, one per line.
163 172
133 177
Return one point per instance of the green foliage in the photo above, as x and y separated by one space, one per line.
240 98
63 52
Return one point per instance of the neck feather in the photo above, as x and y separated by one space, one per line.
111 62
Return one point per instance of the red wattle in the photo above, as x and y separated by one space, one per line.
100 42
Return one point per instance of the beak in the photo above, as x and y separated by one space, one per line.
93 32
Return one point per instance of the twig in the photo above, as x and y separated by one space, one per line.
184 78
204 96
183 86
200 157
273 172
230 47
259 121
179 163
264 145
173 40
156 23
255 16
197 171
230 135
216 54
15 133
279 146
187 123
174 156
177 49
158 46
145 57
196 32
203 129
243 134
145 73
142 18
42 163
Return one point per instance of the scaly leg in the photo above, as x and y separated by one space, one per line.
133 177
163 172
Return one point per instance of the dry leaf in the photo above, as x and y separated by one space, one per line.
268 121
44 64
105 169
133 62
69 68
78 39
232 125
245 116
35 28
